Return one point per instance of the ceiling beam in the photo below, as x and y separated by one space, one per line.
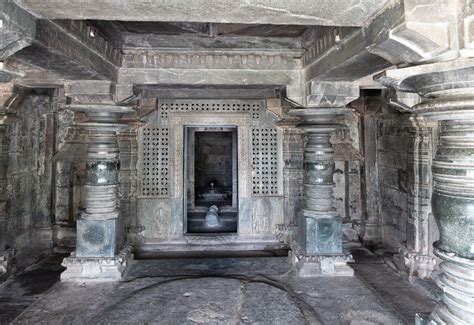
302 12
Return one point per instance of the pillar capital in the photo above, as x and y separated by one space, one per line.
319 117
324 94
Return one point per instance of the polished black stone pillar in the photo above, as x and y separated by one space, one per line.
318 249
99 228
449 99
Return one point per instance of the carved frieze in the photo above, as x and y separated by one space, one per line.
164 59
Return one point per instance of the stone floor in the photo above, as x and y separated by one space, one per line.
217 290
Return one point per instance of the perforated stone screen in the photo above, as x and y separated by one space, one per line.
264 161
188 105
155 162
264 145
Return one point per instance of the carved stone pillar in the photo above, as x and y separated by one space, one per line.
318 249
99 228
449 100
6 255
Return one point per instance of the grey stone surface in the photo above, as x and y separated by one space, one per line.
227 290
25 219
318 54
323 13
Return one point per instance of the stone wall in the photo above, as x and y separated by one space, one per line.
392 142
30 143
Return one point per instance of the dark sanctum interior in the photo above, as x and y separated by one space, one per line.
212 179
236 161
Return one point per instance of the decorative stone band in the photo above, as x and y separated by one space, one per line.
101 202
457 283
98 269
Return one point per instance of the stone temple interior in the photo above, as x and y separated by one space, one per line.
237 161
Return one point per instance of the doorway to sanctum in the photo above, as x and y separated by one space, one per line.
211 180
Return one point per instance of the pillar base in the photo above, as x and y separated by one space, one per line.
415 264
321 264
100 269
457 283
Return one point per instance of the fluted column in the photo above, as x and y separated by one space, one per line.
449 99
318 248
99 228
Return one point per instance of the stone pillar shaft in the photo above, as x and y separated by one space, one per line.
323 225
453 203
453 198
102 174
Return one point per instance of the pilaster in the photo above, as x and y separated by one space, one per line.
99 227
292 175
416 256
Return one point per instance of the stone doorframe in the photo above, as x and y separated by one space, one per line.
177 122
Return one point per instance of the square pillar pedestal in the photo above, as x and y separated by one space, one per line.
322 254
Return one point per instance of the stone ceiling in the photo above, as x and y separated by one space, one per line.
301 12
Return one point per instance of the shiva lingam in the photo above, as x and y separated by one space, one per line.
213 194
